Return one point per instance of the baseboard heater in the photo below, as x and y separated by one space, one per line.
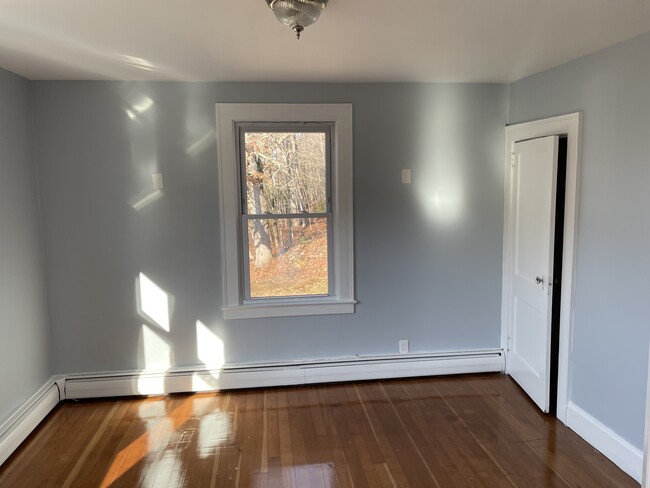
236 376
25 419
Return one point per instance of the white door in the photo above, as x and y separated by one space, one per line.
533 181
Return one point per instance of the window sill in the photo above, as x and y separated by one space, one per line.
284 309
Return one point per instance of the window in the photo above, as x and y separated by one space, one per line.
285 175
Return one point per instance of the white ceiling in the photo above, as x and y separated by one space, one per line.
354 40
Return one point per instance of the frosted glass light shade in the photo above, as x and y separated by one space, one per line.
297 14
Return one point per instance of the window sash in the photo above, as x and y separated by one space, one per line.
282 127
246 261
245 216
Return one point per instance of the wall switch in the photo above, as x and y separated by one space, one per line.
403 346
406 176
157 181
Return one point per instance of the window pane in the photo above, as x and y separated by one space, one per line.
287 257
285 172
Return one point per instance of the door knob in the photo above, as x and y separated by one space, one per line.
539 280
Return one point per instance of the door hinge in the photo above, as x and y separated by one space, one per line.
512 159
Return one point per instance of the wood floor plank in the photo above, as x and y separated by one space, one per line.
441 438
331 438
375 408
286 446
447 432
47 431
72 446
345 429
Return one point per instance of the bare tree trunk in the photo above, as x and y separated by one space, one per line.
297 179
262 245
261 239
289 233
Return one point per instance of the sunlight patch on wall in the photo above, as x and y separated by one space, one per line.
143 139
143 104
150 193
138 108
444 203
157 352
157 356
201 143
150 197
152 301
209 347
442 166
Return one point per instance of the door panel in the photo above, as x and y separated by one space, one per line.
533 178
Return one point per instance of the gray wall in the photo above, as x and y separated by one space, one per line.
612 314
428 256
24 340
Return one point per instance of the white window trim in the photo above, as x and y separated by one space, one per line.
342 298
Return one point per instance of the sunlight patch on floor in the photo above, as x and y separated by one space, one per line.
215 430
155 439
324 473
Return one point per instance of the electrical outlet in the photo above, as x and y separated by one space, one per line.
403 346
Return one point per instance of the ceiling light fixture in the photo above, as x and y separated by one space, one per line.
297 14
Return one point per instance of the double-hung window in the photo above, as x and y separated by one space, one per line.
285 175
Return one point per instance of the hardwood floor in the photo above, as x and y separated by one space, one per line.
445 432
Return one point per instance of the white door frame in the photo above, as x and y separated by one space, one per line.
570 125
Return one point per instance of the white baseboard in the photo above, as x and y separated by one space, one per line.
295 373
400 367
618 450
26 418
